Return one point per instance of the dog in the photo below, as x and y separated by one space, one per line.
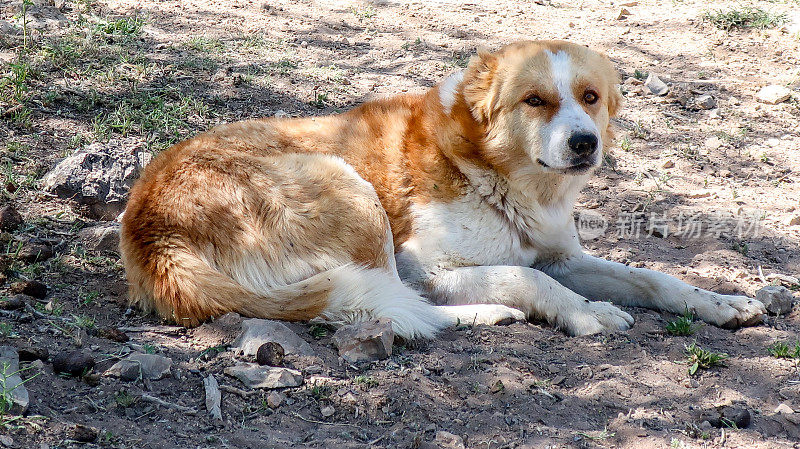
451 206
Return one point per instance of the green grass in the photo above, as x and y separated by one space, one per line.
6 391
149 349
782 350
367 381
205 44
126 26
84 321
683 326
124 399
318 331
6 330
745 17
699 358
321 391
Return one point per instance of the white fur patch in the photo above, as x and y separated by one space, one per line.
448 90
569 119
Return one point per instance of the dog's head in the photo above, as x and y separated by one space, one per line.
545 105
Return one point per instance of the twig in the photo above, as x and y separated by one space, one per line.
237 391
181 408
154 329
314 421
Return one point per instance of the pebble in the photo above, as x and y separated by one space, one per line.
33 252
6 441
668 164
113 334
365 341
76 363
103 237
655 85
10 219
256 332
83 434
705 102
146 366
773 94
275 399
11 380
254 376
31 353
448 440
15 302
327 411
793 220
30 288
783 408
776 298
623 14
270 353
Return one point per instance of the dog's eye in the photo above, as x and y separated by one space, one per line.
590 97
534 101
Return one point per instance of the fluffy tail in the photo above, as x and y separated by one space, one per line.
189 290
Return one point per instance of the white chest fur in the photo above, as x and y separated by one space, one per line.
490 225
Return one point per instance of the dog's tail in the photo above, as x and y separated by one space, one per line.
180 285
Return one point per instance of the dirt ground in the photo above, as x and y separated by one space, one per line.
159 71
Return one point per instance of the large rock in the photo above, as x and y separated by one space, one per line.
255 376
11 380
256 332
777 299
103 237
656 85
366 341
99 176
146 366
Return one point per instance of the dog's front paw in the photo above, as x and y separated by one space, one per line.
729 311
592 317
488 314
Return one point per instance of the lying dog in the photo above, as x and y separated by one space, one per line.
463 195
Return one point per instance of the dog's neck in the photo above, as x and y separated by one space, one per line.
522 195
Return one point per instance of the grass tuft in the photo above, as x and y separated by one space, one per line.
745 17
782 350
699 358
682 326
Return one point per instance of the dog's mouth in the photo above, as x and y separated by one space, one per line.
576 169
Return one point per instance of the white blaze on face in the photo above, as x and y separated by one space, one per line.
570 118
448 90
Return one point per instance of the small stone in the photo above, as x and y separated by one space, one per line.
668 164
30 288
31 353
448 440
280 113
783 408
366 341
34 252
6 441
699 194
304 44
113 334
220 332
15 302
628 4
270 353
773 94
713 142
10 219
739 417
776 298
83 434
275 399
327 411
146 366
655 85
12 382
254 376
103 237
705 102
256 332
213 397
623 14
75 363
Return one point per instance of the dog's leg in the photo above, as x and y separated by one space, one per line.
536 294
601 279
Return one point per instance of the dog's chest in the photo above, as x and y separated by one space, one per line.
469 232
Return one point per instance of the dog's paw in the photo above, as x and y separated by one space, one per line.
729 311
592 317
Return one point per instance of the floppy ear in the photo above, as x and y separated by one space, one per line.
613 95
480 90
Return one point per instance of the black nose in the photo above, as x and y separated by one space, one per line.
583 144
